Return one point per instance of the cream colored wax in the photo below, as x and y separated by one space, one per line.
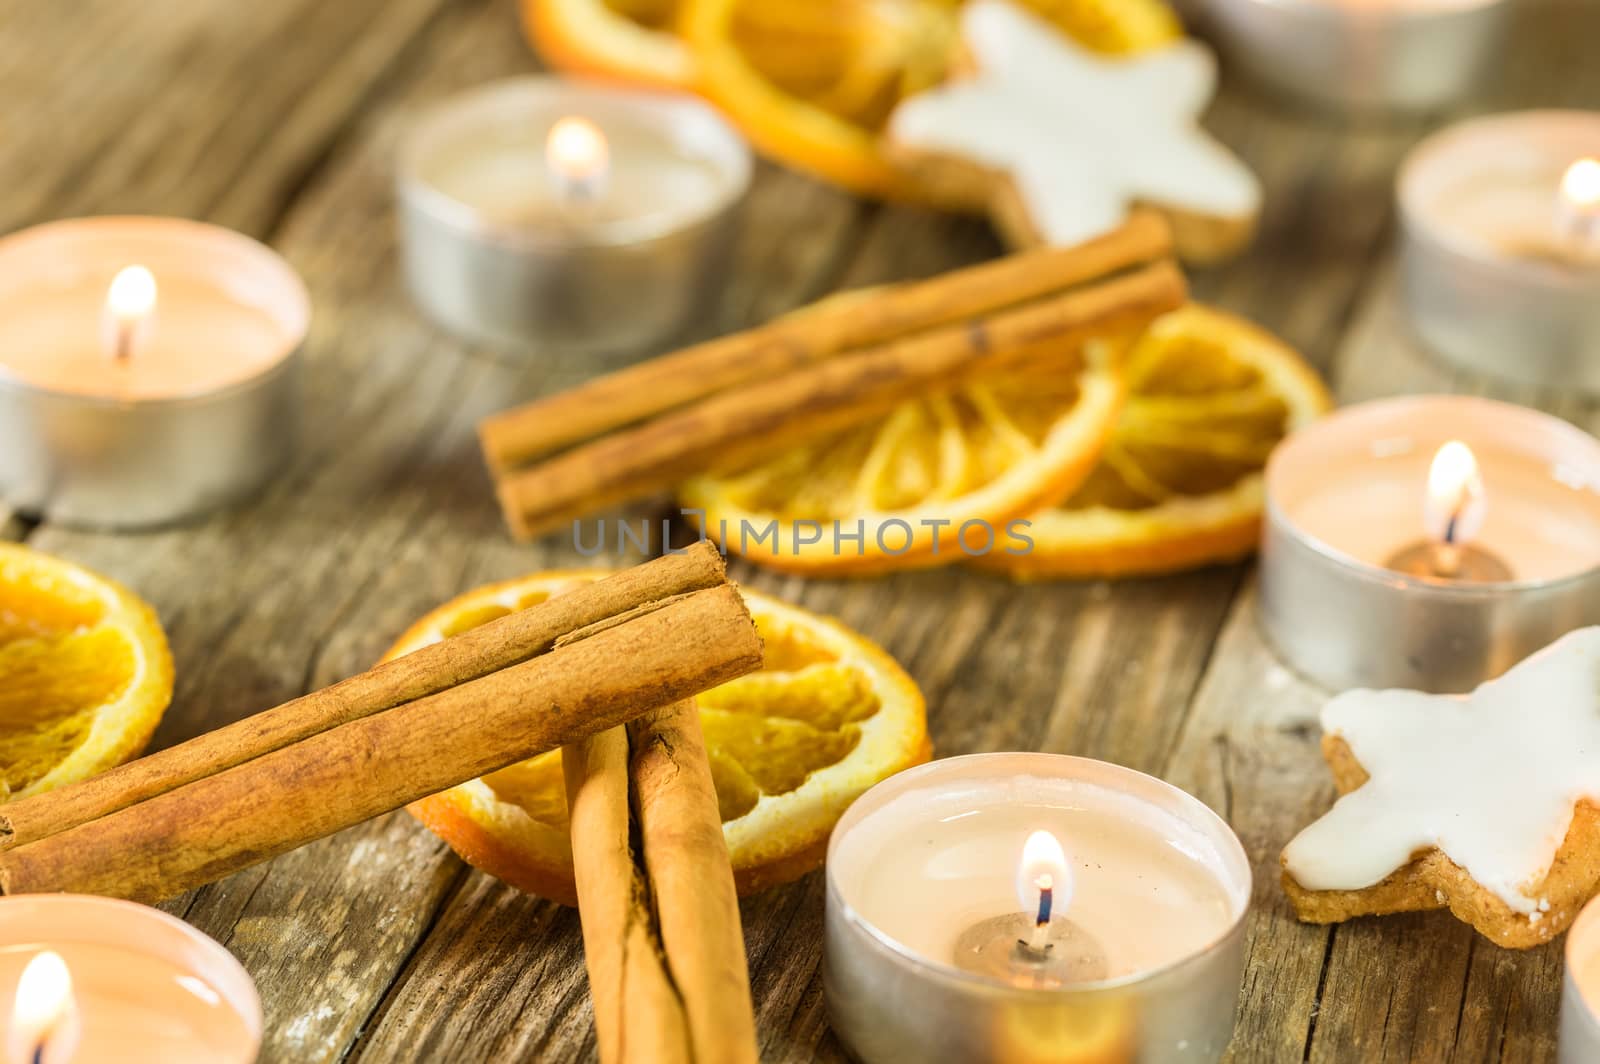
226 309
1356 482
502 174
1587 975
200 340
135 1008
934 862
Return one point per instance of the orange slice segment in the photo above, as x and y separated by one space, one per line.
813 84
85 673
927 484
791 747
1179 484
630 40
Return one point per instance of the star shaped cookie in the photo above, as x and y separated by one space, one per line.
1059 143
1487 804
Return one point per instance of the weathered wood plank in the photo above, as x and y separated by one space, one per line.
207 109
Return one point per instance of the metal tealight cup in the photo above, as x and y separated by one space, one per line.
1361 56
1345 622
1488 310
889 1003
102 462
523 285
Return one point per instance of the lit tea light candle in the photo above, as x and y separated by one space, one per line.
1578 209
1580 996
998 907
538 211
1453 512
130 312
1404 55
147 368
1507 561
91 979
1039 945
1501 245
43 1026
577 158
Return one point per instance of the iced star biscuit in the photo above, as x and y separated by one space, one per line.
1487 804
1058 143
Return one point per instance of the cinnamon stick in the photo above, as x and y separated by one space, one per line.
638 1014
691 881
211 827
475 653
777 412
518 436
661 932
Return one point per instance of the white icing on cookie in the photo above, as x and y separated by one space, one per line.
1082 136
1489 778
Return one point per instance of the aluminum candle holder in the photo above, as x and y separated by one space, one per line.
1406 55
1484 284
1580 1020
504 247
203 418
891 999
1344 496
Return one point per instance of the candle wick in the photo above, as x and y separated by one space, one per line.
38 1054
1446 552
584 189
1046 900
122 350
1579 226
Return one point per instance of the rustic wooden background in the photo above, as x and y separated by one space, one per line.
279 119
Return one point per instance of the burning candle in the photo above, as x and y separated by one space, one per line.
43 1027
1453 512
1578 209
1501 245
537 211
90 979
578 159
1003 907
1507 559
1403 55
130 313
147 368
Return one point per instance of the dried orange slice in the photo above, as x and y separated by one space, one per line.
813 84
932 482
631 40
1179 484
85 673
791 747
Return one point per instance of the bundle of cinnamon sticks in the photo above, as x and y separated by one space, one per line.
661 932
557 673
831 365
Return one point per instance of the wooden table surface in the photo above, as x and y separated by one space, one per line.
279 119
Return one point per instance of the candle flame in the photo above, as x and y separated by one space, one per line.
132 296
1043 867
130 310
1578 208
577 155
1580 187
44 997
1455 506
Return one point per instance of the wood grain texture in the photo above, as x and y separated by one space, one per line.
376 944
